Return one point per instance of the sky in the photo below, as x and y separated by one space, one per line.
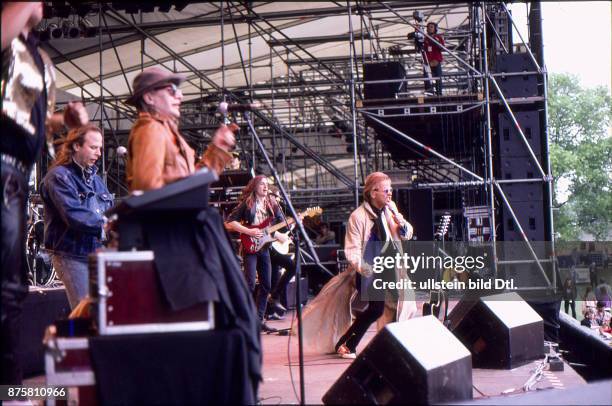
577 38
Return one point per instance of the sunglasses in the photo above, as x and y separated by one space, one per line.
171 88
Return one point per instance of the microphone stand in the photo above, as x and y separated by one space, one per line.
300 225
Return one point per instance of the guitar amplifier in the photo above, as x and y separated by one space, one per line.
129 299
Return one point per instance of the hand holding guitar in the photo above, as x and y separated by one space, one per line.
255 232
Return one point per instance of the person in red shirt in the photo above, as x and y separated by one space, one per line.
434 58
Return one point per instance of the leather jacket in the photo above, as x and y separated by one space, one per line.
158 154
74 202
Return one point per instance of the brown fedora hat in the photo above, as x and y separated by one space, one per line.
151 78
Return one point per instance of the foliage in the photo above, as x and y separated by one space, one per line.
581 157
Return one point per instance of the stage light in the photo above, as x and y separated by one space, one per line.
55 32
70 29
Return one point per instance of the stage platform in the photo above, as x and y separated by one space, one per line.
281 374
322 370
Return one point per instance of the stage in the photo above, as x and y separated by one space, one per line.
322 370
281 374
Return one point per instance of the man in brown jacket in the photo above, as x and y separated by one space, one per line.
157 153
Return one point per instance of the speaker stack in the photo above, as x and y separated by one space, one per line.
515 161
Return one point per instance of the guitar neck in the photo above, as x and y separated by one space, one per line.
278 226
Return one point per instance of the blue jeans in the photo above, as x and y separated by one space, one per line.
75 276
259 264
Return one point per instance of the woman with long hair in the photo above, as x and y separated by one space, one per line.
256 208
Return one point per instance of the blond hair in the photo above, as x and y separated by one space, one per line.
371 181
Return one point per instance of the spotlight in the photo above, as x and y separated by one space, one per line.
55 32
70 30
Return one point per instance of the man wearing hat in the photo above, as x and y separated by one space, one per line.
157 153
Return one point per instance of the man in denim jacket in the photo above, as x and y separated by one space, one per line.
75 199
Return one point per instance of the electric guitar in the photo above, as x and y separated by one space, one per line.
252 245
438 299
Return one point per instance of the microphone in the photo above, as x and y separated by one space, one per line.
225 107
394 211
121 151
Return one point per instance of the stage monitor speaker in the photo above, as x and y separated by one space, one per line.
412 362
501 331
383 71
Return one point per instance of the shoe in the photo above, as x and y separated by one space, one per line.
276 306
345 353
275 316
267 329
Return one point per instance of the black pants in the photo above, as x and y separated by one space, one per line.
280 284
258 265
570 303
355 333
14 270
436 71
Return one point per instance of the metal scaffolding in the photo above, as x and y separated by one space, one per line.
315 120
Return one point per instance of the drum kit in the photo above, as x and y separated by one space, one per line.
40 268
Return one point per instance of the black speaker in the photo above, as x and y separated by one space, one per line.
501 331
288 299
517 86
382 71
510 140
413 362
417 206
514 162
41 308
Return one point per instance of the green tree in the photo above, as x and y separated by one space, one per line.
581 157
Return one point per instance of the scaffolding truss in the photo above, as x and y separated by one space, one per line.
305 63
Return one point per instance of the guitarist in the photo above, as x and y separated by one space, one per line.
256 207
